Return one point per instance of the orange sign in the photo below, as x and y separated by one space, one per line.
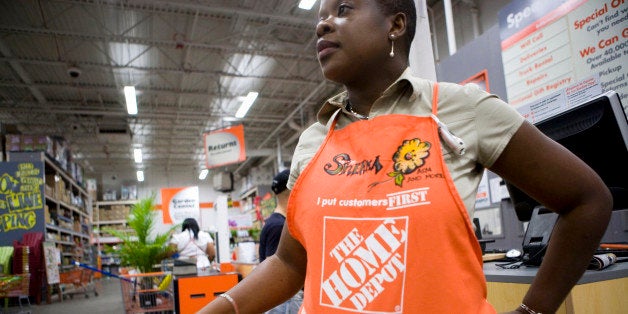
177 204
225 146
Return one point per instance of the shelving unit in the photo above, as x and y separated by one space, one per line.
68 215
248 202
110 214
67 210
43 198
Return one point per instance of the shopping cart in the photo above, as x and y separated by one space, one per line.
70 282
147 293
77 281
15 286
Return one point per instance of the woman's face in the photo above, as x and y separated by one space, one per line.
352 39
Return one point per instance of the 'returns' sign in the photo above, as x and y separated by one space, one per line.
225 146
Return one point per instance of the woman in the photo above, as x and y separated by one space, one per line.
193 243
380 181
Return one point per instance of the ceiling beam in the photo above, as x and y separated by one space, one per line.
160 6
139 89
154 70
222 49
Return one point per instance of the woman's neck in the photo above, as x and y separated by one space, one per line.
364 92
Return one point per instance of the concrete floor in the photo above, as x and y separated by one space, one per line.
109 300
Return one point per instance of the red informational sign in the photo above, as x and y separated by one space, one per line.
552 46
480 79
225 146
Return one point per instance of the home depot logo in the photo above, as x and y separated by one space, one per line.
364 264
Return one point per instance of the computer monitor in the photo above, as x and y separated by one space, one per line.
597 132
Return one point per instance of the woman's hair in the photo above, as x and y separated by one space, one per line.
192 225
407 7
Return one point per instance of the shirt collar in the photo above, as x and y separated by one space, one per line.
339 101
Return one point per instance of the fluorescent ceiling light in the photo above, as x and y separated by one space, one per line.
306 4
140 176
137 155
131 102
203 174
246 104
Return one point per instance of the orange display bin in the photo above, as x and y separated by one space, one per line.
194 292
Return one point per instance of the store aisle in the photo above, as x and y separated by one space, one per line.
109 300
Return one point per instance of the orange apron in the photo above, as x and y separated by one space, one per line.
383 225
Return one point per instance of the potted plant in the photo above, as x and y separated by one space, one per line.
138 248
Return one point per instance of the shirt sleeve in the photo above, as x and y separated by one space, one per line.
309 142
272 240
207 238
496 123
175 239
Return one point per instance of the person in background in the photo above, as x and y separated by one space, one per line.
383 186
191 242
271 233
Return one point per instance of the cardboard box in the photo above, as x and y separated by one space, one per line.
13 143
13 138
28 143
47 215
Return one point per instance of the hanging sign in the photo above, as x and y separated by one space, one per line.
178 204
225 146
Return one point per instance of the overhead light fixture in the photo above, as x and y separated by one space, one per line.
203 174
131 102
306 4
137 155
140 175
246 104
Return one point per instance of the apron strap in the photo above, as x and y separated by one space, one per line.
192 241
331 123
435 99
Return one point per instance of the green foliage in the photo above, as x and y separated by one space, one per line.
137 248
255 233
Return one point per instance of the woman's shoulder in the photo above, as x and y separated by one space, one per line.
176 237
469 91
204 235
310 139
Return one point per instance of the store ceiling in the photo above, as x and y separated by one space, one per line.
191 62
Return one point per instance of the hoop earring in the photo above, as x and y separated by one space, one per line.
392 46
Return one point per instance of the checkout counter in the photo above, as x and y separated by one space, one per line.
598 291
194 289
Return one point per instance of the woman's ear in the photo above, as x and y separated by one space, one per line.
398 25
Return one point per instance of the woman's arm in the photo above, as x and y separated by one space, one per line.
564 184
210 251
280 276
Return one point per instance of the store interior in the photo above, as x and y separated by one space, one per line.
196 105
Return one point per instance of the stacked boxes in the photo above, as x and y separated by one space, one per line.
116 212
29 143
47 215
55 147
13 143
57 188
